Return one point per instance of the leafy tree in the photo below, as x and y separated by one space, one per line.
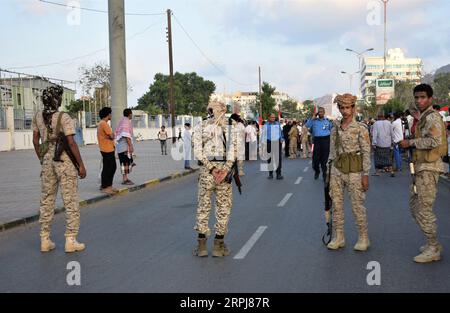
441 87
393 105
75 106
191 94
268 103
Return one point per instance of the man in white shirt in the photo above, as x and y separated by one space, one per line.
397 136
382 142
251 141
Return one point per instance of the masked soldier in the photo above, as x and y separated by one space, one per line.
350 157
429 146
215 147
60 173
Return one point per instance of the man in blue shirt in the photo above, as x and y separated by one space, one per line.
272 134
320 128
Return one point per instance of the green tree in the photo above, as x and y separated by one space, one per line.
393 105
404 92
289 107
268 103
441 87
191 94
75 106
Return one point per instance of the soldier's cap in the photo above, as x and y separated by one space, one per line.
345 99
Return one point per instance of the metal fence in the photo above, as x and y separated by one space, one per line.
3 118
153 121
91 119
138 121
23 119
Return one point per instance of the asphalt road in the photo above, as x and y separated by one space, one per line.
143 241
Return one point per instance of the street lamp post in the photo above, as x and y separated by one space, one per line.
350 77
360 56
385 2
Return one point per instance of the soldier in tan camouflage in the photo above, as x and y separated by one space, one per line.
55 173
429 146
215 146
306 149
350 157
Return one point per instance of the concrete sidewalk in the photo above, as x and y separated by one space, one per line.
20 186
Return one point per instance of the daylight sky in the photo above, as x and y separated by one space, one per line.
300 44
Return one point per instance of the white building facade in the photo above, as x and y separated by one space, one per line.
397 67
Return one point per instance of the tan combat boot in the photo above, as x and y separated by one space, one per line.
72 245
338 240
220 249
363 242
424 247
201 250
430 254
46 244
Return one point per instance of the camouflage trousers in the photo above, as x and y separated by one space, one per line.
293 148
241 166
352 181
306 149
224 197
422 204
53 175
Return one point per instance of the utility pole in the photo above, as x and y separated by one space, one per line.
171 82
385 36
117 59
260 99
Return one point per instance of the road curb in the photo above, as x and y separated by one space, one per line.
151 183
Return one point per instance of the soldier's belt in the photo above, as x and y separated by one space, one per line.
350 162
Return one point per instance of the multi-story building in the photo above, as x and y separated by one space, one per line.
397 67
26 93
247 102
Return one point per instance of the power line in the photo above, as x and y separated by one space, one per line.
71 60
96 10
206 57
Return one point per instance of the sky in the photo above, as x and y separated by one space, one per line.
299 44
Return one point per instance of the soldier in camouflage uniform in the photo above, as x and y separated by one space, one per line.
57 174
215 146
429 146
350 157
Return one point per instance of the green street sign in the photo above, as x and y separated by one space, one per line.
383 83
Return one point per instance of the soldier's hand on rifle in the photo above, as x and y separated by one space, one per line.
404 144
365 182
82 172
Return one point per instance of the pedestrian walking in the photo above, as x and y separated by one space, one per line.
162 137
272 141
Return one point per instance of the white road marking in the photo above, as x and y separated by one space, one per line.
250 243
299 180
285 200
306 169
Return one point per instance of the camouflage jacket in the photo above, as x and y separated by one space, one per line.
354 139
216 140
430 137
